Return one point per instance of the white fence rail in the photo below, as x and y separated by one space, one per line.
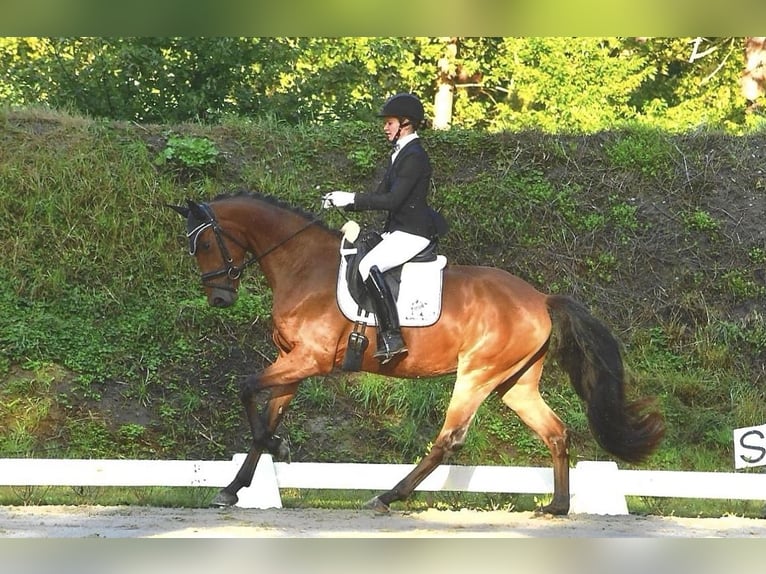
597 487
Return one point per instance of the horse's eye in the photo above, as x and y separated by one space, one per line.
205 245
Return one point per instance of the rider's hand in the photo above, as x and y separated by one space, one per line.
337 199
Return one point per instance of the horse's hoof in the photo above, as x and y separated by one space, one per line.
553 509
377 505
224 500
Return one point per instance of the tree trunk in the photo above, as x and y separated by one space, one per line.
445 86
753 79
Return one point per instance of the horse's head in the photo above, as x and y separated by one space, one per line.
220 256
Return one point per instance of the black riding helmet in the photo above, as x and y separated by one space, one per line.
403 106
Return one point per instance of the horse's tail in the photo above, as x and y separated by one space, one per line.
592 357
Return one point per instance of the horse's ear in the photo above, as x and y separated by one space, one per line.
197 211
184 211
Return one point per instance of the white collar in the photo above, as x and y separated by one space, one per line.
401 142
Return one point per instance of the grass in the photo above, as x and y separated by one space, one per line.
201 497
175 497
646 150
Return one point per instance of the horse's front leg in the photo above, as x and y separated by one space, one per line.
262 427
281 381
264 423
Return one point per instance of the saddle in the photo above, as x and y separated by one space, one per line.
416 285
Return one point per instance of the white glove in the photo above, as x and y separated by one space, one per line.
337 199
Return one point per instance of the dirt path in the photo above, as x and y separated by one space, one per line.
144 522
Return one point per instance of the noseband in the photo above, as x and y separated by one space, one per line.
229 270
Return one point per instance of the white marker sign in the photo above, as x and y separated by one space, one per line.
750 446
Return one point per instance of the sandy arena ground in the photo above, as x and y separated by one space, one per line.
145 522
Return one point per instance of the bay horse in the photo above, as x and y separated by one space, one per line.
494 333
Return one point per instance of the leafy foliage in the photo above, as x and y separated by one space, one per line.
189 156
190 151
553 84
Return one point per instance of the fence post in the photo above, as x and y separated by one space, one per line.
596 489
264 490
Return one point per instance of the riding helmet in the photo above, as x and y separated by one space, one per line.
403 106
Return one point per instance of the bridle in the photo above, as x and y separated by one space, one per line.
230 270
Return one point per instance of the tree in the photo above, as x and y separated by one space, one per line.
695 83
754 74
143 79
445 85
549 83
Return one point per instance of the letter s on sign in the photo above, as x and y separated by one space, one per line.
755 453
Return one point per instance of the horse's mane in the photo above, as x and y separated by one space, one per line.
277 202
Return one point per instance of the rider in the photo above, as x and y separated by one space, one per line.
410 225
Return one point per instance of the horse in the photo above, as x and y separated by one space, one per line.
494 334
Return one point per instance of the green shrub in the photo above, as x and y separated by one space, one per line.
190 154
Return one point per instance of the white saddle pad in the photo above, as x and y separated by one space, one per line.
420 293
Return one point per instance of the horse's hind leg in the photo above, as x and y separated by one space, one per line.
466 398
524 398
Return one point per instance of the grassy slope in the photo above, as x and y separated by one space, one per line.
107 348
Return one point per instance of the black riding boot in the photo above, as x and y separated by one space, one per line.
390 340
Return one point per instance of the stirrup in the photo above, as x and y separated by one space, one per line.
385 356
385 353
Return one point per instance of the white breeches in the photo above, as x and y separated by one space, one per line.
397 248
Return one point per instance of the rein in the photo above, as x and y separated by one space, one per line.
230 270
